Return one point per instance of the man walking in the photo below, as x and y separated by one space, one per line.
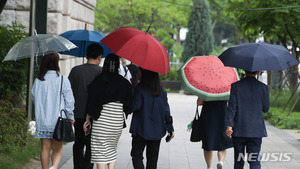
80 77
248 99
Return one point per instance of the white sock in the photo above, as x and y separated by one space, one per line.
221 163
209 168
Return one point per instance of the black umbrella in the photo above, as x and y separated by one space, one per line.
258 56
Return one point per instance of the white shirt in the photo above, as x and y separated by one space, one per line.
46 97
122 72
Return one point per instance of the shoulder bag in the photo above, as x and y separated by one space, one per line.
63 130
196 128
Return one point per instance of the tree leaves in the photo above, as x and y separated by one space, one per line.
165 18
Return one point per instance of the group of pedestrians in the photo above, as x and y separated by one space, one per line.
101 99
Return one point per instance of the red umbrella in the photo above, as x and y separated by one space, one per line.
140 48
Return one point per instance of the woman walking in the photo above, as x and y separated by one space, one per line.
109 95
46 95
213 131
151 120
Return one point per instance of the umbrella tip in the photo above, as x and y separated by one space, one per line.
148 29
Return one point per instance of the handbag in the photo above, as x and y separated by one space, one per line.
196 128
63 130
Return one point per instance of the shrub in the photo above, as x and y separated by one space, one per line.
17 146
172 75
13 73
281 120
283 99
13 126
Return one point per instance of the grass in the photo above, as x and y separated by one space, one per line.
168 90
18 157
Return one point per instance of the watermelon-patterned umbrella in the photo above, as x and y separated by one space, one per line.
208 78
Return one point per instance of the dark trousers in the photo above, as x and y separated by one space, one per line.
252 147
152 151
81 160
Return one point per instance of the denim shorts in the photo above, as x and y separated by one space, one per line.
43 134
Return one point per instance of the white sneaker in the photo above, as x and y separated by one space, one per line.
219 165
51 167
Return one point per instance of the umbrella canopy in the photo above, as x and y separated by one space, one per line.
39 44
82 39
140 48
207 77
258 56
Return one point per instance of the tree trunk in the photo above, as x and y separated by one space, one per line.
294 71
269 73
178 34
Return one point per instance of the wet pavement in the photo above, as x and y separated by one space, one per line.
281 150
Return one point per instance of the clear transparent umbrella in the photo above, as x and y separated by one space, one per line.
38 45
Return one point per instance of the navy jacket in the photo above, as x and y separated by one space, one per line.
151 115
248 99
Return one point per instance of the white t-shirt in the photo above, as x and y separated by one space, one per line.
124 71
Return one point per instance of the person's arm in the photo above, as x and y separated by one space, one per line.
33 91
128 101
68 98
168 117
266 96
231 110
137 100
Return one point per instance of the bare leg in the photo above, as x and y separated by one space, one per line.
45 152
208 158
112 165
100 166
221 155
56 152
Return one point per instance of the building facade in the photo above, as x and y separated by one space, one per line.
63 15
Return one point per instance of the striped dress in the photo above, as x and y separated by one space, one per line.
106 133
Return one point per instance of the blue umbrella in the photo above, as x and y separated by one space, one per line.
258 56
82 39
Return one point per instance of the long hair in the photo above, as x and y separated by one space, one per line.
110 67
151 81
48 62
111 64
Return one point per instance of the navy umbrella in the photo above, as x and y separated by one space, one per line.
82 39
258 56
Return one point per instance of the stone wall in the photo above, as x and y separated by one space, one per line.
63 15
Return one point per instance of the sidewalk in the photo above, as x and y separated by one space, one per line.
180 153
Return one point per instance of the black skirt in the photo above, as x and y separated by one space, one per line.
213 126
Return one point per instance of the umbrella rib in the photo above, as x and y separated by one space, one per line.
280 63
58 44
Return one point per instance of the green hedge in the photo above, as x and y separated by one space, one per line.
17 147
281 120
283 99
172 75
13 126
14 74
